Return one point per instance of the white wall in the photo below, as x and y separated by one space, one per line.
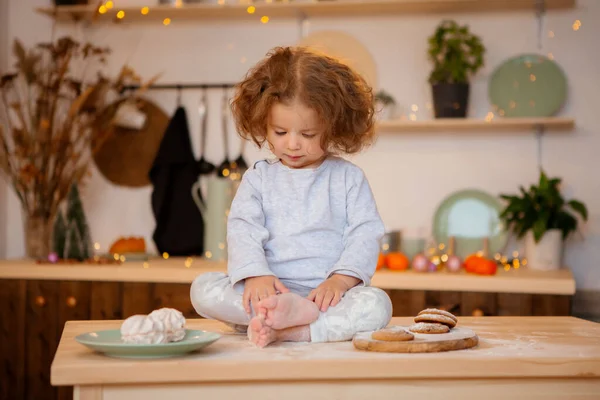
410 174
3 67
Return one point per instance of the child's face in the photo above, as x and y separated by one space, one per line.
294 135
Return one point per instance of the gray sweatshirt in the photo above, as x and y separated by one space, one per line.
303 225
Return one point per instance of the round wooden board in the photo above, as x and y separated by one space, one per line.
457 339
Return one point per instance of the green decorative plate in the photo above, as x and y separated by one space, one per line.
109 342
529 85
470 216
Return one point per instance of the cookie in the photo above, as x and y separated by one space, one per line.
392 334
427 327
439 312
436 318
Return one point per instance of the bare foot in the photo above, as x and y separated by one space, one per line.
262 335
259 333
286 310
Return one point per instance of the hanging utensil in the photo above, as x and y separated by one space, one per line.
242 165
204 166
224 169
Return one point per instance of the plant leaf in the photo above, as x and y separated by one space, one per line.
539 228
580 208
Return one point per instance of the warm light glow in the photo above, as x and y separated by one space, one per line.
243 61
121 14
226 172
550 56
145 10
116 256
102 10
412 117
444 257
489 117
166 21
576 25
109 4
385 246
178 3
551 34
97 246
221 246
208 254
512 104
251 9
221 2
532 78
264 19
165 255
188 262
122 258
414 107
146 264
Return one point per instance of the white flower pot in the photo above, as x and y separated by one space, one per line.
546 255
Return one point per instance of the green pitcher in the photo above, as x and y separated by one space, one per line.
217 195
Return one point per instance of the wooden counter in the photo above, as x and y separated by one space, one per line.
182 270
532 357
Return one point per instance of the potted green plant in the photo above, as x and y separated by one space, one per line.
384 105
544 218
457 55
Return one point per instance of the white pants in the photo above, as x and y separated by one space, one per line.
360 309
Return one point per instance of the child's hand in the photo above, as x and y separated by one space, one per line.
330 292
258 288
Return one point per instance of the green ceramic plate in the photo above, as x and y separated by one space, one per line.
109 342
470 216
529 85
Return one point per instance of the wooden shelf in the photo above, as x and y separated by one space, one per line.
176 270
459 125
297 8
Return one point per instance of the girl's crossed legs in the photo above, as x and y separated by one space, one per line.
290 316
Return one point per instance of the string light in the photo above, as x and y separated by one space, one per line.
116 257
121 14
166 21
576 25
550 56
532 78
102 9
221 2
251 9
412 117
122 258
414 107
109 4
264 19
489 117
188 262
165 255
97 246
178 3
146 264
145 10
208 254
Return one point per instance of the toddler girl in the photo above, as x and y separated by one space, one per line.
303 231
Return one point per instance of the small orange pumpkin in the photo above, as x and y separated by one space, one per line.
397 261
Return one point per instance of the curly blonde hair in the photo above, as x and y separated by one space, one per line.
341 98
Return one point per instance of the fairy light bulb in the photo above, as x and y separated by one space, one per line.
109 4
121 14
166 21
264 19
102 9
251 9
145 10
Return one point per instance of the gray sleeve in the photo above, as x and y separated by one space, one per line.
363 232
246 232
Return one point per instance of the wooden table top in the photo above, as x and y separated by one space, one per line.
184 270
515 347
